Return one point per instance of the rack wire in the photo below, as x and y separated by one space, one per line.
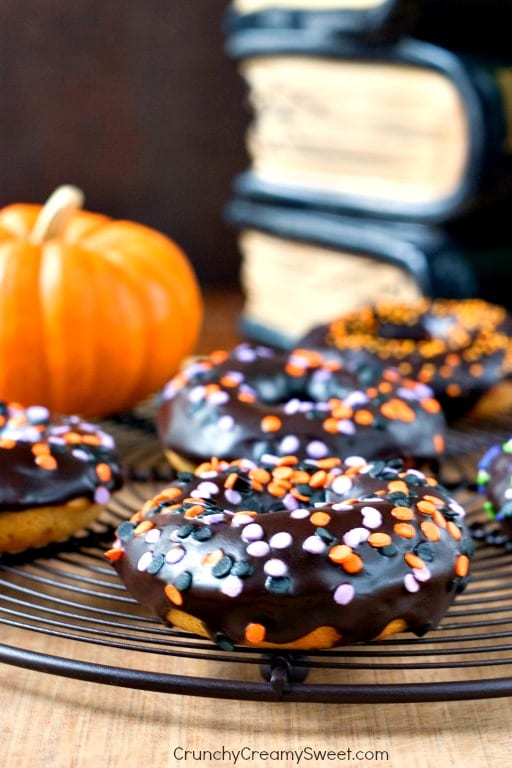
95 631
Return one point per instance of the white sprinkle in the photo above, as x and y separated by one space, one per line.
197 394
410 583
144 561
232 496
152 536
258 549
289 444
174 555
346 427
252 532
281 540
276 568
219 397
226 423
421 574
317 449
355 398
300 514
205 489
354 461
372 518
314 545
240 519
231 586
341 484
356 536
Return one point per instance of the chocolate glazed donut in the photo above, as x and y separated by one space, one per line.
56 474
494 480
253 401
461 348
296 554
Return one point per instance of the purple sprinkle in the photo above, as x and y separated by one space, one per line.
291 407
80 454
205 489
372 517
422 574
341 485
355 398
289 444
300 514
152 536
236 376
346 427
344 594
240 519
275 568
101 495
290 502
356 536
245 354
37 414
219 397
316 449
234 497
258 549
342 507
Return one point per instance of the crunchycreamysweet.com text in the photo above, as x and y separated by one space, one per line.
303 756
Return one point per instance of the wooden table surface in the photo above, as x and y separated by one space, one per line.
51 721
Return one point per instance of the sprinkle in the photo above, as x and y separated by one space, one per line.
352 564
258 549
275 567
422 574
372 517
222 567
339 553
404 530
255 633
320 519
226 423
270 423
430 530
152 536
341 484
355 536
174 555
143 527
114 554
462 565
314 545
410 583
402 513
413 560
252 532
173 594
379 539
46 461
104 472
344 594
316 449
281 540
231 586
289 444
144 561
101 495
242 569
300 513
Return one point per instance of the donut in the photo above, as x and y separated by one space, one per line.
460 348
56 475
253 401
296 554
494 481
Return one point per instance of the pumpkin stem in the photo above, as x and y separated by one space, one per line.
61 204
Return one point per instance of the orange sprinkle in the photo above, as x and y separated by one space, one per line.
430 405
194 511
278 489
145 525
397 409
114 554
91 439
413 560
318 479
230 480
212 558
430 530
330 425
218 356
72 438
288 460
255 633
339 552
363 417
168 494
438 519
439 443
402 513
398 486
173 594
104 472
379 539
282 472
6 442
462 565
320 519
246 397
435 500
453 390
352 564
427 507
341 411
46 461
404 530
270 423
329 463
260 475
228 381
300 476
38 449
454 530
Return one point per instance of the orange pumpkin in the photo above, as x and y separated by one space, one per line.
95 314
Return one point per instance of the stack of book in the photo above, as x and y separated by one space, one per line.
380 156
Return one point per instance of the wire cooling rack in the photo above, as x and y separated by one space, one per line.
69 601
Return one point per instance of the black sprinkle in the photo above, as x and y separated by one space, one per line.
183 581
425 551
242 569
279 585
125 531
223 567
202 534
467 546
185 530
223 642
390 551
326 535
185 477
156 564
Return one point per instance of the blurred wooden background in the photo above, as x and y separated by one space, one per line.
134 102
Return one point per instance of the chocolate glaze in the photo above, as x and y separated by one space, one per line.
82 463
494 480
275 569
219 407
461 348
